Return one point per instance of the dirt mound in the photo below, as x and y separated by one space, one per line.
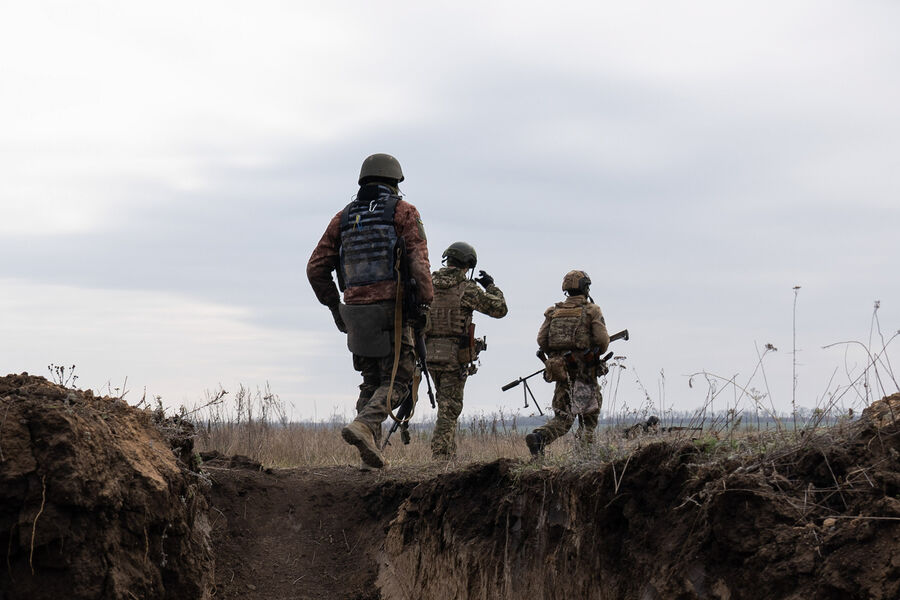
94 502
819 518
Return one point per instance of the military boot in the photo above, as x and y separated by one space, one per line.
358 434
535 442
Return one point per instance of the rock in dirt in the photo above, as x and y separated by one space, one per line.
94 502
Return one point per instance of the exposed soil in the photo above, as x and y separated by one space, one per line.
94 503
107 494
301 533
818 520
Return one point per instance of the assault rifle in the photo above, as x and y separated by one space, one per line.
414 311
591 356
403 413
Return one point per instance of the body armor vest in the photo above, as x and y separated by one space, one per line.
568 329
446 317
368 242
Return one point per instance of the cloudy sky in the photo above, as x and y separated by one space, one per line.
166 169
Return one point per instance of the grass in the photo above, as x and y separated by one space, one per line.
253 423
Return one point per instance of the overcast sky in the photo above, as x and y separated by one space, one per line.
166 169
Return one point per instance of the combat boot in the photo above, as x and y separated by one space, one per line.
358 434
535 442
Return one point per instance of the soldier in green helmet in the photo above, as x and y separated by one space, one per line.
364 242
569 328
452 347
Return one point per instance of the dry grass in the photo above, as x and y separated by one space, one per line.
479 439
254 423
320 444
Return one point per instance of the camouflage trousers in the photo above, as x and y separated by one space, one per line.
449 386
563 418
371 407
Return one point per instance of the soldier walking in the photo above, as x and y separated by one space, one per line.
569 329
452 346
370 243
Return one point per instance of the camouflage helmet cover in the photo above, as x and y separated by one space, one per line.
380 165
462 253
576 280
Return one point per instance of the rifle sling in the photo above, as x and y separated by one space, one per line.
398 340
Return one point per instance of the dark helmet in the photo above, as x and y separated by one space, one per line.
381 166
462 254
576 281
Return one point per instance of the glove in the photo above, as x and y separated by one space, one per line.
338 319
484 279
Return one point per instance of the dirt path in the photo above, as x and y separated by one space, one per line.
300 533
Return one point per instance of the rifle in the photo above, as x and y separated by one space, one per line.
415 312
590 356
403 414
526 391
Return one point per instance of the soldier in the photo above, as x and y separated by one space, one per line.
569 329
452 347
370 243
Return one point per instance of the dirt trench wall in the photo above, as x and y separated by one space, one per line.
93 503
663 525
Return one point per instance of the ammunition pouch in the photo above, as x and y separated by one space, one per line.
369 328
555 369
442 351
468 352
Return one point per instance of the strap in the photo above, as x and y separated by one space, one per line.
398 340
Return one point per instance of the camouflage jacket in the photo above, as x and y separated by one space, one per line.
489 301
593 330
326 258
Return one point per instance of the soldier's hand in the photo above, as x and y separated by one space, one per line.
484 279
338 319
418 321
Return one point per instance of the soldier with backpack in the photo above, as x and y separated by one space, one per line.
452 347
377 246
572 334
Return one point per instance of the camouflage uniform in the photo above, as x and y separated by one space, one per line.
591 333
450 376
371 405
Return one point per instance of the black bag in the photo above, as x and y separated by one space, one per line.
369 328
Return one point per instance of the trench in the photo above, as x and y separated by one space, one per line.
662 524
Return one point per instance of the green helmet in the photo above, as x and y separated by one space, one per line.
381 165
462 253
577 281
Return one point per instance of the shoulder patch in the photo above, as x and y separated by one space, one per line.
421 227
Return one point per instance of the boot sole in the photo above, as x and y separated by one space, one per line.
369 456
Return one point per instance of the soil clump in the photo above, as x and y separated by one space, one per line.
94 502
